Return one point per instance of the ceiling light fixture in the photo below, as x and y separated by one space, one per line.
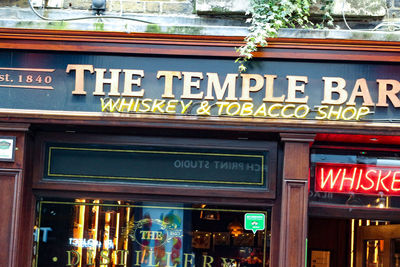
98 6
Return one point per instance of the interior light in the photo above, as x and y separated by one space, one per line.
235 228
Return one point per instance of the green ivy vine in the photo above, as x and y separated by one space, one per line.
268 16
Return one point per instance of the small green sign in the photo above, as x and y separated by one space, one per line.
254 221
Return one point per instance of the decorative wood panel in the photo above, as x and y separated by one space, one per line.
220 46
293 224
10 199
294 199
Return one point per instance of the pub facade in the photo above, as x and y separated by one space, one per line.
153 150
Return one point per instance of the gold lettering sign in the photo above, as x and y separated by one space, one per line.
221 97
139 232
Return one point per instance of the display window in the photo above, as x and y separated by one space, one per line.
353 208
360 178
98 232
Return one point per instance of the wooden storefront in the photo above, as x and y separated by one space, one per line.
144 118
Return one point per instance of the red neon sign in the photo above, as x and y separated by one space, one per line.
357 178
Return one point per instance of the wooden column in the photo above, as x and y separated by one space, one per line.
11 195
293 230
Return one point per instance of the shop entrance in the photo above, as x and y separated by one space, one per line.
378 245
353 243
353 207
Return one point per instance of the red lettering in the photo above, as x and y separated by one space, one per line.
357 178
330 177
380 181
370 180
395 181
344 178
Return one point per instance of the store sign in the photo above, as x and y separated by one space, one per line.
152 232
206 87
254 222
357 178
162 165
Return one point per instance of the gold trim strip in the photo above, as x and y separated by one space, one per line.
255 122
38 233
28 86
147 206
49 174
150 179
29 69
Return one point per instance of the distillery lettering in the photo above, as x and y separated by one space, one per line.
119 258
217 165
219 96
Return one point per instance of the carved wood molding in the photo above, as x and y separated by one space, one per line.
294 223
297 137
11 198
18 127
196 45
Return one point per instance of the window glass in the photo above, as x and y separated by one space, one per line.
367 179
90 232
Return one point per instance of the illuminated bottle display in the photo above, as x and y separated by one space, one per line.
83 232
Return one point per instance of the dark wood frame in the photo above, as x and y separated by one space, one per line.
39 183
11 182
252 198
194 45
14 141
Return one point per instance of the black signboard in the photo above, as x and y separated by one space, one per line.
157 165
57 83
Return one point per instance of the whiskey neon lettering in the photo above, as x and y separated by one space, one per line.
348 178
380 181
324 181
357 178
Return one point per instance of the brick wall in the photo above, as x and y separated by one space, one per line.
394 8
17 3
142 6
353 8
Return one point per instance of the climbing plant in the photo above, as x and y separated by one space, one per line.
268 16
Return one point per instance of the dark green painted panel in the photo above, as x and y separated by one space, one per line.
157 165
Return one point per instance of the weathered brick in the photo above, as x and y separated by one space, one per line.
177 8
152 7
394 13
357 8
222 6
17 3
78 4
132 6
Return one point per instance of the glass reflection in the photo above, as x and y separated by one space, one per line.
377 168
85 232
374 253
